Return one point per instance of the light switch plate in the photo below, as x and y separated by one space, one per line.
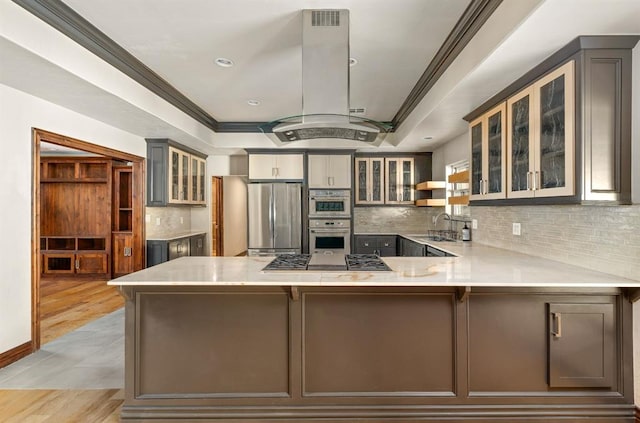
147 218
157 221
474 223
516 229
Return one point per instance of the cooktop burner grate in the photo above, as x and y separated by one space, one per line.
289 262
367 262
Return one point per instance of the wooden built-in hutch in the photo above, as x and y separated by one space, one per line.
86 219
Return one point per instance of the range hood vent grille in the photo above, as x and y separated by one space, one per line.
325 18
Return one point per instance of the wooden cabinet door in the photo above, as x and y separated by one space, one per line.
520 145
58 263
290 166
122 254
319 171
262 166
581 345
488 155
340 171
91 263
196 245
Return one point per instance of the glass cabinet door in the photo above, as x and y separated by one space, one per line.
399 181
174 175
195 170
476 158
520 144
406 180
377 181
202 173
184 177
554 150
495 137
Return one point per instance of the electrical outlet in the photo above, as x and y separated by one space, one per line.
516 229
147 218
474 223
157 221
181 220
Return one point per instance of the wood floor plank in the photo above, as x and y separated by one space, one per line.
65 305
60 406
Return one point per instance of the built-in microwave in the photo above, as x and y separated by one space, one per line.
329 203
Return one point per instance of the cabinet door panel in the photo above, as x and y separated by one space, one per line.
340 171
262 166
290 166
581 345
318 171
122 254
377 180
496 153
476 159
520 145
174 175
362 179
554 155
91 263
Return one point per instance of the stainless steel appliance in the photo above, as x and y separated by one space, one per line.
327 262
325 203
329 236
275 218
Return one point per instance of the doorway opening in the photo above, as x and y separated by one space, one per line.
217 216
87 227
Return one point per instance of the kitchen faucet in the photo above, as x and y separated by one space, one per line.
446 216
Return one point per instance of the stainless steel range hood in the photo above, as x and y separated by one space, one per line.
325 85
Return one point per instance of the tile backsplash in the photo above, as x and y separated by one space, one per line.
173 220
602 238
408 220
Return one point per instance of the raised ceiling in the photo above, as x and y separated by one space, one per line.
393 41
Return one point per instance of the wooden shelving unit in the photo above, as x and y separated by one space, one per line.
431 186
455 179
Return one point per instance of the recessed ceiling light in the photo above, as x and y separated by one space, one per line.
353 61
225 63
253 102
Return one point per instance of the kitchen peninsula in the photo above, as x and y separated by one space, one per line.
490 335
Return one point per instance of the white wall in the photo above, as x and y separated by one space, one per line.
454 151
19 113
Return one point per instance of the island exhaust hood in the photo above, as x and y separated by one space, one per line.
325 85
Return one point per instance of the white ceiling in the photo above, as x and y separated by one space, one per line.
392 40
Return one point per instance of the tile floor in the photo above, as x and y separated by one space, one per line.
91 357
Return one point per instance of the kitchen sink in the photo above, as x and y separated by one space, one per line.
433 238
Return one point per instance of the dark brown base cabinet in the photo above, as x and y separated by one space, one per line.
393 354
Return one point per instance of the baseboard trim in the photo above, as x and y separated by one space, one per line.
15 354
637 415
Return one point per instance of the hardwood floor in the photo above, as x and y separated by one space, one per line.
48 406
65 305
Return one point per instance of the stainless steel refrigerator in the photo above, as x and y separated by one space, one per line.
275 218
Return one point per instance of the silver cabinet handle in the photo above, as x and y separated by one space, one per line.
557 317
77 264
528 181
536 181
127 251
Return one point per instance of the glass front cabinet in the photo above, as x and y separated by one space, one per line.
369 180
540 137
488 146
399 187
186 178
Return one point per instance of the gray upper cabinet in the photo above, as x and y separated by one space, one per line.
329 171
568 128
176 175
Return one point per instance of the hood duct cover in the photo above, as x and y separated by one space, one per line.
325 85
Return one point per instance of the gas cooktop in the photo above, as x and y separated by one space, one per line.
350 262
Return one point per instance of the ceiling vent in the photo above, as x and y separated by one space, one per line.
325 85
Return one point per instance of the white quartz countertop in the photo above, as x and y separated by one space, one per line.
171 237
476 265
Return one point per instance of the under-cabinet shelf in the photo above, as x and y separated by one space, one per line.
431 202
459 200
430 185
